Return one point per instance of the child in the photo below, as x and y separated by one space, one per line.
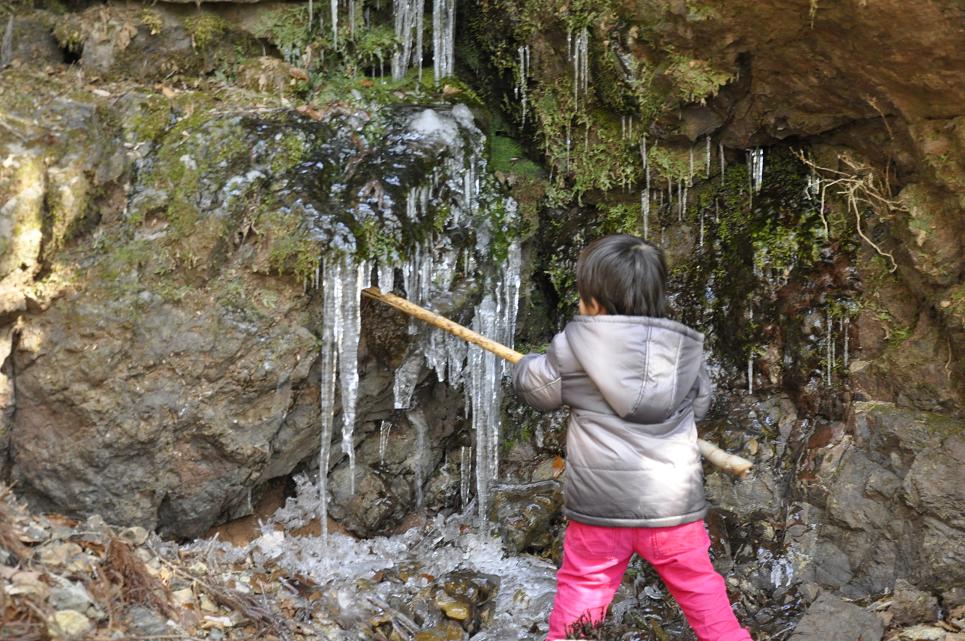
634 381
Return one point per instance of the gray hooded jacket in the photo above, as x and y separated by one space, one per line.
634 386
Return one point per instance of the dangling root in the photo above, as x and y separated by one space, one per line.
858 187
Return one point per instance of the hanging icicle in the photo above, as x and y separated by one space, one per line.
755 168
522 80
579 56
723 162
331 339
443 38
351 282
418 421
408 15
707 163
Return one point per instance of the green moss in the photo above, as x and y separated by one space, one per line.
153 20
204 28
507 156
70 34
291 251
152 118
288 152
695 80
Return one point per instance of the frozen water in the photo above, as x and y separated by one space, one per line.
443 38
331 339
408 15
352 280
346 566
429 124
755 168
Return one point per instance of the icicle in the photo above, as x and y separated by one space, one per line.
707 164
418 421
755 168
690 177
581 65
443 38
645 209
408 15
844 330
495 316
701 245
351 282
750 357
680 199
331 339
386 276
351 19
404 383
385 429
723 161
829 339
750 372
465 474
522 75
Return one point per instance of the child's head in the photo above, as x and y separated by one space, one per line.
624 274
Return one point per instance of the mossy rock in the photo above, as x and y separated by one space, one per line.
153 44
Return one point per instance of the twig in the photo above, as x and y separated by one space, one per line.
855 189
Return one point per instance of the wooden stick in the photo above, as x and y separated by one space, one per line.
728 462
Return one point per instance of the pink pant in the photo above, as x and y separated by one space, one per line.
595 558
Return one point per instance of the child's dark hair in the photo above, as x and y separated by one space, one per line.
626 275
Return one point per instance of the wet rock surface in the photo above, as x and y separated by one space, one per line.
171 373
832 619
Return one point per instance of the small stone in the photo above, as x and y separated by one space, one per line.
911 605
33 533
71 596
57 554
144 621
135 535
830 618
456 610
69 624
207 604
183 596
923 633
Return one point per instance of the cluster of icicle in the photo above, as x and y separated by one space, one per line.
478 371
409 16
426 275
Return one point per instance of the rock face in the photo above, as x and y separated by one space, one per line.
831 619
163 365
888 491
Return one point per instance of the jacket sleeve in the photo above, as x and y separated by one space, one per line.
705 393
536 377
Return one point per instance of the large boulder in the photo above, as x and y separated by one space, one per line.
831 619
165 368
891 492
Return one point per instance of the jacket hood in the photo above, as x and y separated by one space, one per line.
643 367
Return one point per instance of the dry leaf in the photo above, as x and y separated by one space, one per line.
559 466
298 74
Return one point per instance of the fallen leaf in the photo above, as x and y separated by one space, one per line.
559 466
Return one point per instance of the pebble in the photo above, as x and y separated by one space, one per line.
71 596
135 535
69 624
